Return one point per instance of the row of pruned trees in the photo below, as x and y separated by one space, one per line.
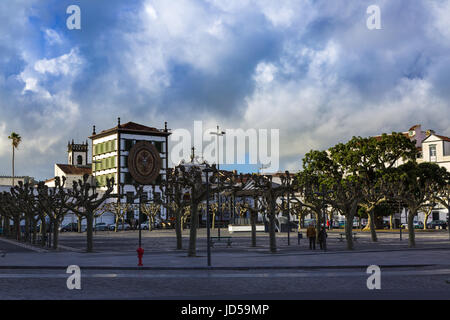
36 205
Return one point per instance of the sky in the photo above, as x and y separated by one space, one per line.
310 68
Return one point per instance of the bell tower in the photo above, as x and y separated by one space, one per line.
77 153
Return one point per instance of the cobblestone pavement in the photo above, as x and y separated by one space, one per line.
164 240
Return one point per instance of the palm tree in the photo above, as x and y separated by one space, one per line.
15 141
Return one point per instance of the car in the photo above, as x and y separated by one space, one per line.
437 224
70 227
101 227
418 225
121 226
144 226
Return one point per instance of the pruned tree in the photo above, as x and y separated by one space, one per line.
85 200
412 184
54 202
119 209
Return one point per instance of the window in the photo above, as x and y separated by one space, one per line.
79 160
433 150
128 145
158 146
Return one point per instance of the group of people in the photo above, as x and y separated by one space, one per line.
311 233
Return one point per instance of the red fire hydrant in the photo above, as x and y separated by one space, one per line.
140 253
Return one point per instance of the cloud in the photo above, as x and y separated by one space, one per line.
310 68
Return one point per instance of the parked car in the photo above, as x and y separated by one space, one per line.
144 226
121 226
418 225
101 226
437 223
70 227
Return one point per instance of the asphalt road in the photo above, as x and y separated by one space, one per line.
425 283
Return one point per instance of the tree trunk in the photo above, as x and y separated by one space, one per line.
391 221
425 219
27 230
193 231
13 167
17 228
33 226
178 228
89 231
253 216
55 233
79 223
116 225
272 236
371 224
411 233
349 231
43 232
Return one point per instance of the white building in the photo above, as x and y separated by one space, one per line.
77 166
7 180
130 153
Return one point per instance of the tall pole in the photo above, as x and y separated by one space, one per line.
208 233
218 134
289 220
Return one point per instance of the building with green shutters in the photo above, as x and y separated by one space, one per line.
130 153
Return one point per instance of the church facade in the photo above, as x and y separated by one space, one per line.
130 153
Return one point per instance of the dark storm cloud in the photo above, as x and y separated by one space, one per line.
309 68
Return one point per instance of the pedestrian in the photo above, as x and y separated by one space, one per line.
322 237
311 234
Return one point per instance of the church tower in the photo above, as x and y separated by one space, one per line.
77 153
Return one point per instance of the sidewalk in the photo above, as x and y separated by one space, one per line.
228 261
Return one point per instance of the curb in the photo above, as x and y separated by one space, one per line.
364 267
23 245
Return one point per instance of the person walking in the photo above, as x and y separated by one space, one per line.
322 235
311 234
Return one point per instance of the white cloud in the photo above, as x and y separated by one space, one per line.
63 65
52 37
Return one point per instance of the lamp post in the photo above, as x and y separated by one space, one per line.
218 134
283 199
207 170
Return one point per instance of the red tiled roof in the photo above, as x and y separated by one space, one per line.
74 170
133 128
443 138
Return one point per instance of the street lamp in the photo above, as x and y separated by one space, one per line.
207 170
289 217
94 162
218 134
